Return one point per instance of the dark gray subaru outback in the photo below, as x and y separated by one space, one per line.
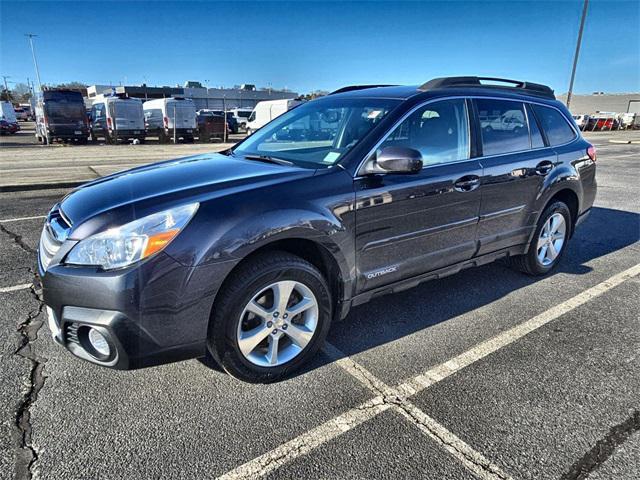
249 254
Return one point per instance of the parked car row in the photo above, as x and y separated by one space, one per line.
602 121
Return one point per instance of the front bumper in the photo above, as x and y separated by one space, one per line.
151 313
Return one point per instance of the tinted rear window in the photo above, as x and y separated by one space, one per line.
554 125
503 126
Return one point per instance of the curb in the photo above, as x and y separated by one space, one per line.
625 142
41 186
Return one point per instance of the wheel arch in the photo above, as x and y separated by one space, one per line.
315 252
570 199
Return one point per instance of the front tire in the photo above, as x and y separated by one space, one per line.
271 318
549 241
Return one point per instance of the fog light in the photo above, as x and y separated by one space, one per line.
99 342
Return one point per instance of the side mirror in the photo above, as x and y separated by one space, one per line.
396 160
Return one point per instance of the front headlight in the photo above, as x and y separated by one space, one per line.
122 246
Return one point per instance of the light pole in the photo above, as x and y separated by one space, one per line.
35 62
575 57
4 77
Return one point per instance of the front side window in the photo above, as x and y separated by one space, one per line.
555 125
438 130
318 133
503 126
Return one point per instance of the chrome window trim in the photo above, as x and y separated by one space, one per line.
360 174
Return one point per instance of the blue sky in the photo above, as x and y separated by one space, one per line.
322 45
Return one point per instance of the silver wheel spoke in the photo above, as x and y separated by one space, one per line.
258 310
250 340
299 334
272 353
542 241
281 294
552 253
542 254
301 306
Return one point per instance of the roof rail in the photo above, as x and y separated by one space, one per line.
351 88
523 87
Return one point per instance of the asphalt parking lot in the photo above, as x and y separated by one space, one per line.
485 374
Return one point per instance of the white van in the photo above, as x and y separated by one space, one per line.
166 117
242 116
117 117
267 111
7 112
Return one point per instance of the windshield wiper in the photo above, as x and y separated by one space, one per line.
269 159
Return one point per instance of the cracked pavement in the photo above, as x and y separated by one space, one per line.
559 403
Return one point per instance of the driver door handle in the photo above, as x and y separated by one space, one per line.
467 183
543 168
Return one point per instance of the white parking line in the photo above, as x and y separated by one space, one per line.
335 427
14 288
9 220
470 458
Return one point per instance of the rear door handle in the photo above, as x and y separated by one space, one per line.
467 183
543 168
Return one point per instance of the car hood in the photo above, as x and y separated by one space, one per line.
196 177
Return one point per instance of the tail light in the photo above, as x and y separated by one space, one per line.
166 122
591 151
109 122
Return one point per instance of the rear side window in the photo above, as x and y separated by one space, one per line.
554 125
503 126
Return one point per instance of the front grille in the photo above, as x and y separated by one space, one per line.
54 233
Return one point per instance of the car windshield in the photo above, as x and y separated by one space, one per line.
318 133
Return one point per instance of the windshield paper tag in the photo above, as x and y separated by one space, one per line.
374 114
331 157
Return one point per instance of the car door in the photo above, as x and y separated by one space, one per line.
409 224
515 161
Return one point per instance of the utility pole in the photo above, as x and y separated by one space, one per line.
224 110
4 77
575 57
35 62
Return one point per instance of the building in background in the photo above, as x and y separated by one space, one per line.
603 102
246 96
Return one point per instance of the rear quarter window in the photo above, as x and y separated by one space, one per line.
555 125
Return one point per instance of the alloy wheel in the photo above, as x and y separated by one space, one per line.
551 239
277 323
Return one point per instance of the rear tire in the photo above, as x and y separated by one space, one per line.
538 260
256 284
